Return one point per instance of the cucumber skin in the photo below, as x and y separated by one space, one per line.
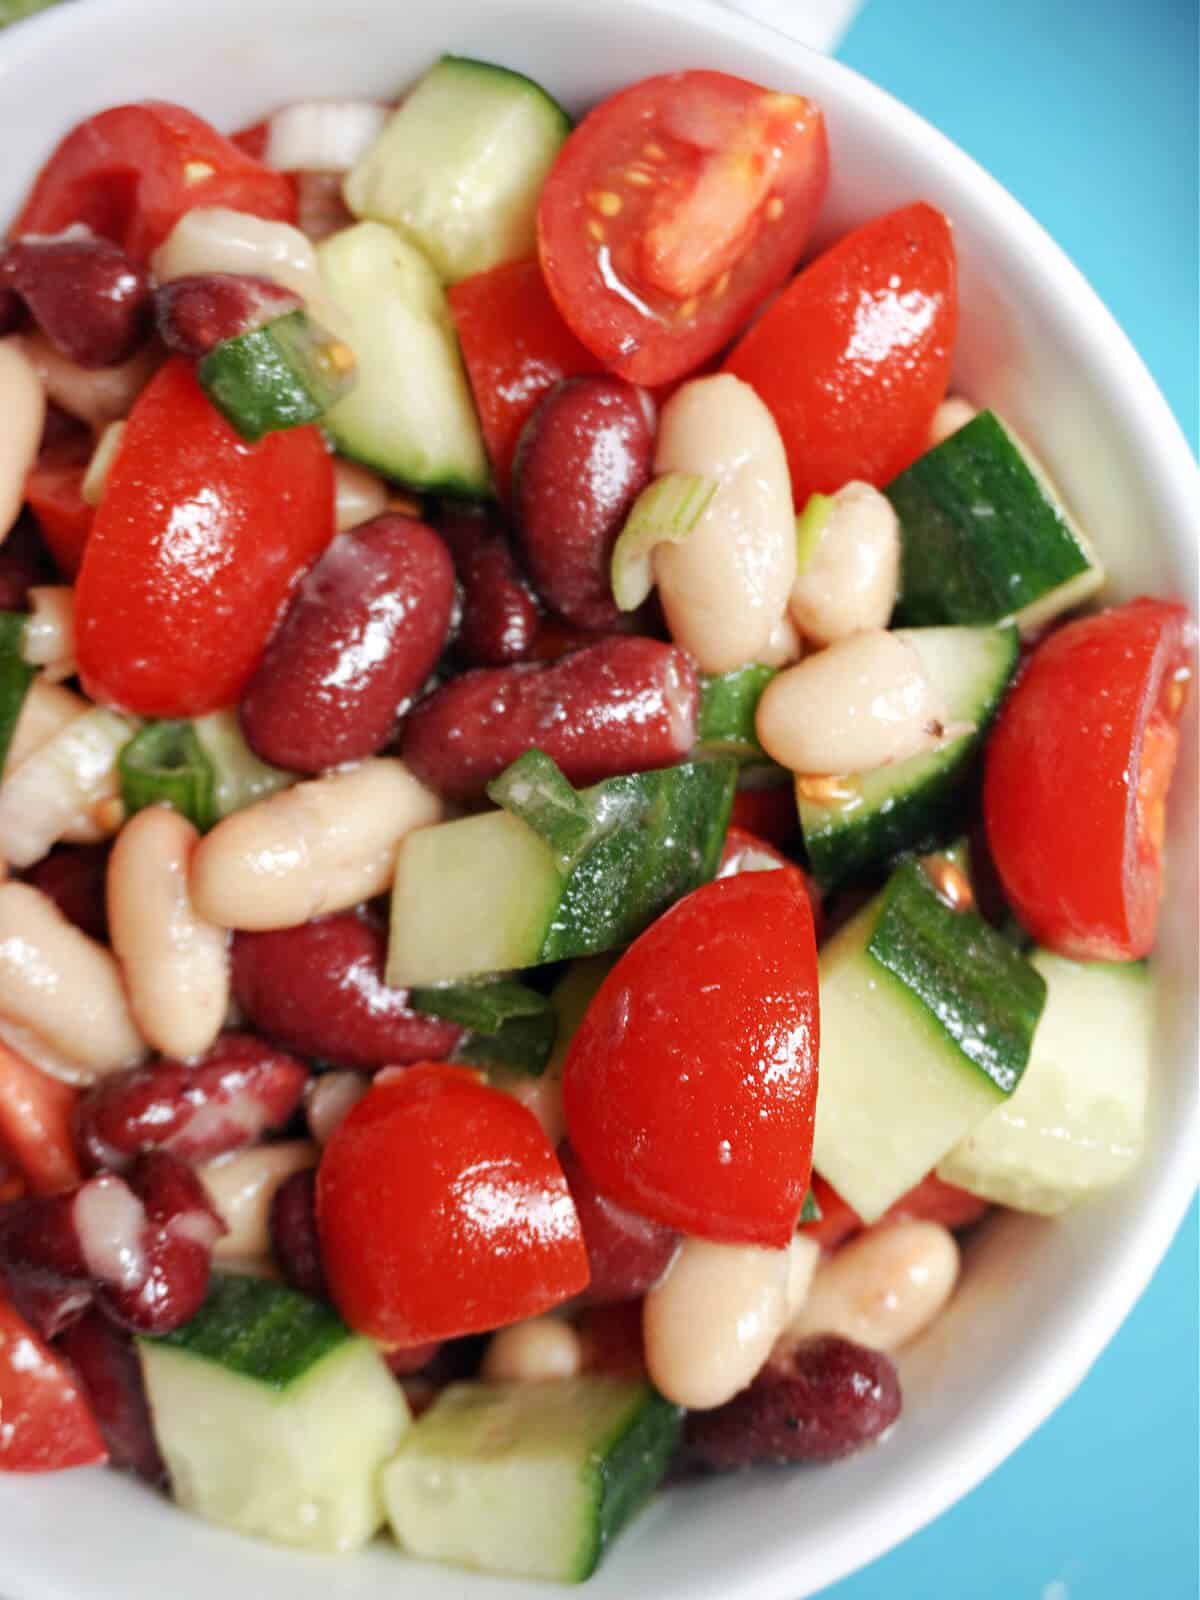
267 379
728 703
484 1007
629 1469
523 1043
16 674
260 1330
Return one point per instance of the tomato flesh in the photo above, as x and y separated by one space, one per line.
1075 780
443 1211
690 1087
46 1423
194 549
673 209
36 1125
54 491
853 358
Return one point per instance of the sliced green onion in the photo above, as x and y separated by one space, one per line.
165 764
810 525
16 674
485 1007
523 1043
535 790
665 512
810 1211
239 777
59 786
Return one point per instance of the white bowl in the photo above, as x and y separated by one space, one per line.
1040 1300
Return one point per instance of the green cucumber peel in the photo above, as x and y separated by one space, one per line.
810 1211
284 374
520 1045
665 512
16 674
485 1006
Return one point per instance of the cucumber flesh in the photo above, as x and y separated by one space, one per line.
273 1418
410 415
532 1480
461 164
1075 1124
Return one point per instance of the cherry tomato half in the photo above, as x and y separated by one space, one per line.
673 210
442 1211
745 852
35 1125
131 173
931 1200
54 490
853 358
690 1087
195 546
1076 776
46 1423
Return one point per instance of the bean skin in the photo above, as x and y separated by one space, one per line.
88 298
108 1367
627 1254
295 1243
24 565
194 313
500 615
319 990
623 705
74 876
358 640
583 458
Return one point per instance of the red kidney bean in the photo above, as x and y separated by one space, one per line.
194 313
500 616
84 293
358 640
319 990
584 456
61 429
825 1399
24 562
295 1243
627 1254
403 1363
320 208
610 1338
623 705
12 311
238 1090
108 1367
74 876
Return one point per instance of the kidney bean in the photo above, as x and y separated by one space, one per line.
583 458
825 1399
295 1243
611 1340
238 1090
500 616
318 989
85 294
320 208
24 565
42 1269
181 1228
194 313
74 876
627 1254
358 640
108 1367
623 705
12 311
414 1358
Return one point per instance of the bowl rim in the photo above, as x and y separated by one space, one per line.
1157 439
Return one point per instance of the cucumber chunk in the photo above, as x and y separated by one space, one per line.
461 164
985 537
927 1017
913 804
410 415
533 1480
728 703
273 1418
282 375
1075 1123
16 674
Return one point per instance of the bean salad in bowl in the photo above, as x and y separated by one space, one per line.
539 903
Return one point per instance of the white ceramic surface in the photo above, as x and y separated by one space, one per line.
1040 1300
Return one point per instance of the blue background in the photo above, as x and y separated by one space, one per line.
1087 112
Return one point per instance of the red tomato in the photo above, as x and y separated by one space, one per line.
131 173
769 813
46 1423
35 1124
442 1211
744 852
931 1200
53 490
690 1087
195 547
1076 776
854 357
673 210
252 141
837 1221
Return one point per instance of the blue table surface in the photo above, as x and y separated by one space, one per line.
1087 111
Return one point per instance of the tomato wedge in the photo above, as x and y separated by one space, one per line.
46 1423
746 852
35 1124
691 1085
673 210
130 173
54 490
194 549
854 357
442 1211
1076 777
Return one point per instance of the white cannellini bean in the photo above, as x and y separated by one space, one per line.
804 1256
852 577
63 987
530 1352
883 1288
321 846
725 587
860 704
68 780
541 1094
953 413
93 395
327 1099
176 965
710 1322
242 1186
49 638
358 494
783 647
45 711
23 410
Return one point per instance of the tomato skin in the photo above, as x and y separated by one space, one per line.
690 1087
36 1125
853 358
53 489
442 1211
745 852
640 287
1080 863
195 547
46 1423
131 172
931 1200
